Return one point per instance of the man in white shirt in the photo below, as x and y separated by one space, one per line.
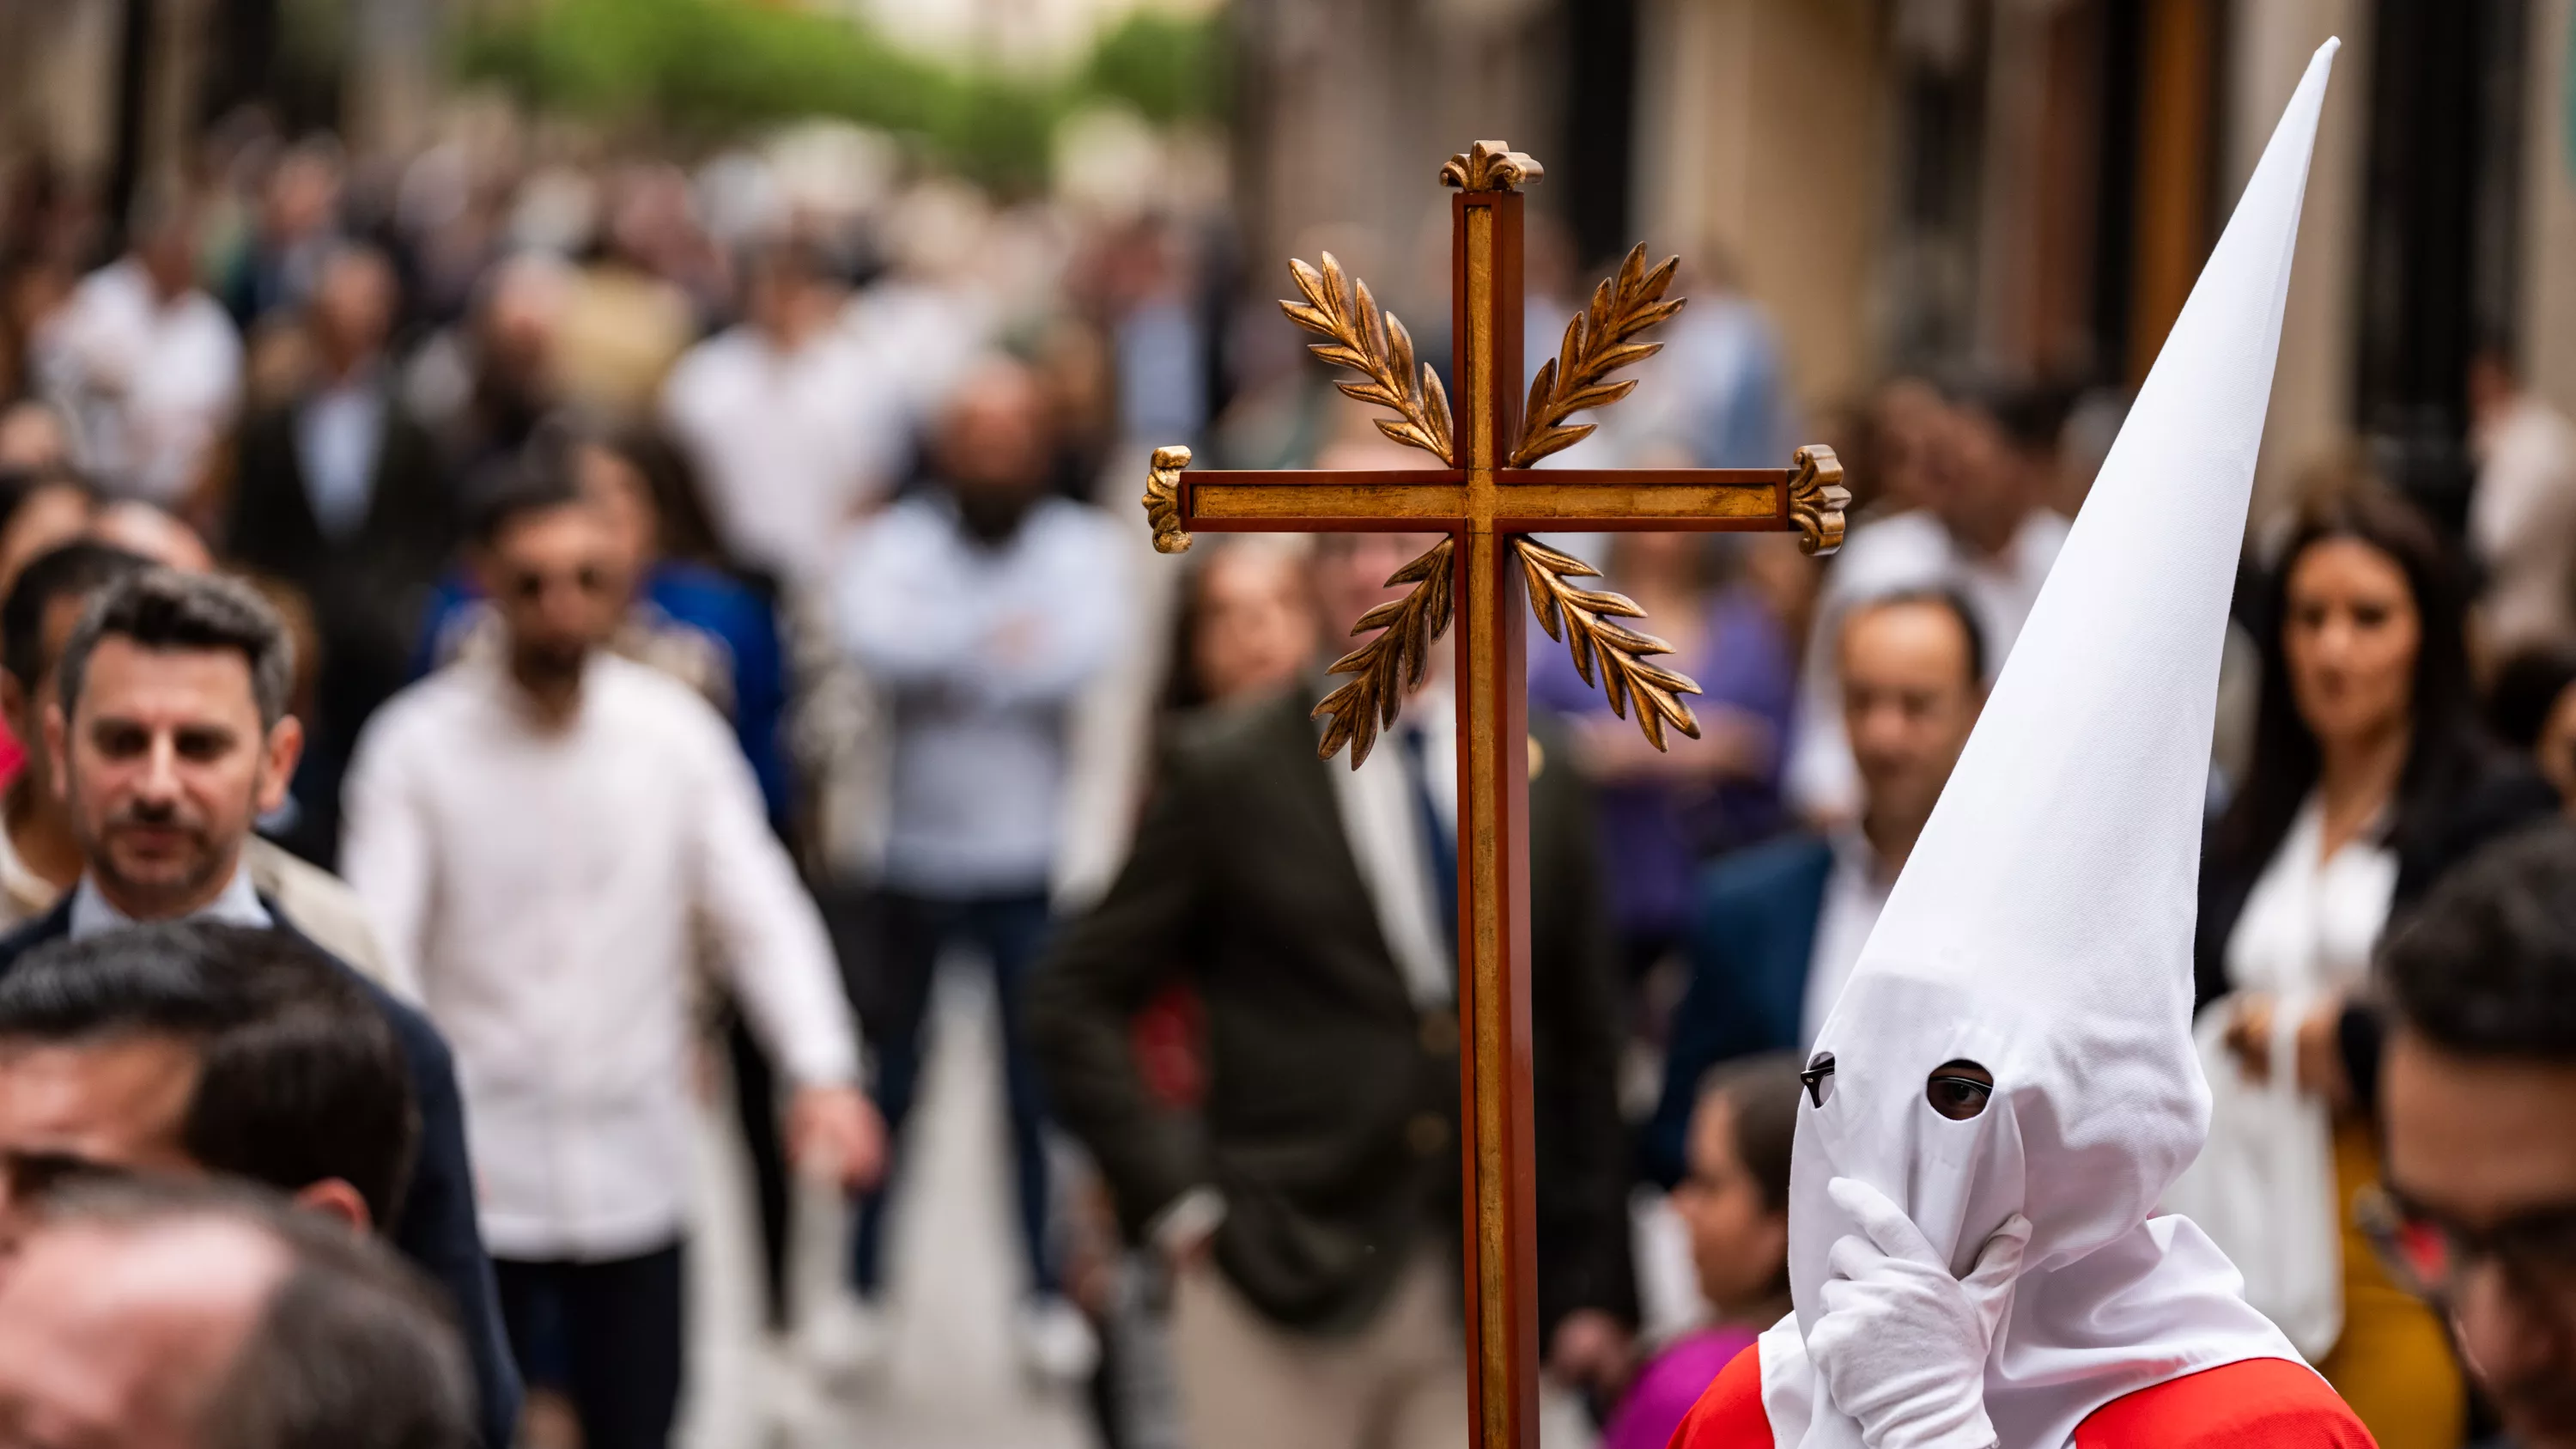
1985 534
146 362
792 428
1778 927
545 838
982 609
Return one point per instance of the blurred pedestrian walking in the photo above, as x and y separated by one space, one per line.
543 836
981 607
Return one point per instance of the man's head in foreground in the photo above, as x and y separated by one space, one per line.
171 737
2478 1099
198 1049
170 1316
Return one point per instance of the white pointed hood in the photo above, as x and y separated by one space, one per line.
2042 927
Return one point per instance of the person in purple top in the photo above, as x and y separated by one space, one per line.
1662 813
1735 1203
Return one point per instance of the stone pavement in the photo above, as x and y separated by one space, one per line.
953 1381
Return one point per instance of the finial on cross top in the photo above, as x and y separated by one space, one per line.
1490 166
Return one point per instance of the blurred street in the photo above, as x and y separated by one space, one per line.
953 1382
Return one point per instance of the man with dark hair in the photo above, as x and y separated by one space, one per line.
197 1317
223 1049
2478 1100
40 857
1777 927
168 739
553 839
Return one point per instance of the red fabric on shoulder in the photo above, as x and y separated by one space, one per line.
1729 1415
2258 1403
2253 1404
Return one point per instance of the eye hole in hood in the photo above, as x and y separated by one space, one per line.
1819 1078
1959 1090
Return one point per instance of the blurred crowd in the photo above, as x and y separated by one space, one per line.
600 617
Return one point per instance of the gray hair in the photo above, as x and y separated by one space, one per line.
165 611
353 1348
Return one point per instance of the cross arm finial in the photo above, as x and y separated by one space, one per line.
1491 166
1817 499
1163 499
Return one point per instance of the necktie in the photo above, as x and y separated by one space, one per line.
1439 839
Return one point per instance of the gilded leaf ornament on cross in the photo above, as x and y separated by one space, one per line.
1602 340
1486 501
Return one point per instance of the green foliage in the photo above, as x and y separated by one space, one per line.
1167 67
704 69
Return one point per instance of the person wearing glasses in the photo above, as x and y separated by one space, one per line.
2478 1101
546 837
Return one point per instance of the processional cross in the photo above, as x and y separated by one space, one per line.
1487 500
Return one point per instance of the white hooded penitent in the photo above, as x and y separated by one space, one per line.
2042 928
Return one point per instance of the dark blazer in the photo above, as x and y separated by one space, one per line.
367 592
436 1227
1753 930
1330 1121
2499 795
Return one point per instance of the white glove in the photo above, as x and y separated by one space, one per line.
1902 1344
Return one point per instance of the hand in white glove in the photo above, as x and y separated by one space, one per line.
1902 1344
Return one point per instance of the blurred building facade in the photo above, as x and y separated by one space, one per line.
2024 187
2016 186
113 94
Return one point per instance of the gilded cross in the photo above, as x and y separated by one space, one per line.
1487 500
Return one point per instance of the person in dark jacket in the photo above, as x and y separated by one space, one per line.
259 1059
343 494
2370 778
170 739
1311 1203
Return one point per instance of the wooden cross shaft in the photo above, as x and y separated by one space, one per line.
1486 500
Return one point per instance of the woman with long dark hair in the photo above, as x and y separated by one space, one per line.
2370 777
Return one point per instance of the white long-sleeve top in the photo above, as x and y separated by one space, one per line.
982 649
547 891
2522 524
792 445
151 384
